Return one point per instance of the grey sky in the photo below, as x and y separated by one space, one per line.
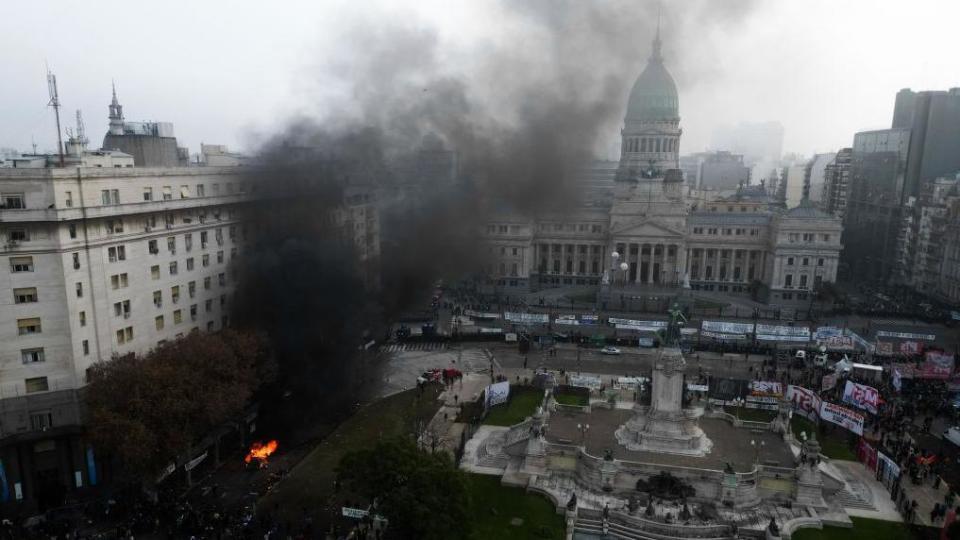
232 71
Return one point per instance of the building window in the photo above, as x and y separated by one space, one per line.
205 260
26 295
190 264
219 257
76 261
158 322
155 271
41 421
158 298
117 253
167 193
119 281
124 335
788 280
222 278
789 261
37 384
200 190
18 235
826 238
79 290
820 262
193 312
68 199
173 268
21 264
72 229
203 239
32 356
177 316
114 226
172 245
206 283
83 318
188 242
85 344
803 281
152 247
208 305
148 193
122 309
175 294
192 289
806 261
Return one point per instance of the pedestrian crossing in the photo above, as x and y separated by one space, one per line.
402 347
474 360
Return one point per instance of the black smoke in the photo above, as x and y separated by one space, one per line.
523 112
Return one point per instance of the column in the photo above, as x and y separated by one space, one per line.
653 248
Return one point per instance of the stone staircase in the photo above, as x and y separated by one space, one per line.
850 497
594 527
490 452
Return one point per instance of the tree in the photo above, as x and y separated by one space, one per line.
422 494
147 410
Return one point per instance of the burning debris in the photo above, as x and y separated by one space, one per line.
260 452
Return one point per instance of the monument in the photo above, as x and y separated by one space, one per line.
665 426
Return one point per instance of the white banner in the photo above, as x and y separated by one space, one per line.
480 315
592 383
498 393
568 322
631 382
861 396
652 326
805 402
842 416
727 327
716 335
897 380
766 389
527 318
787 333
698 387
905 335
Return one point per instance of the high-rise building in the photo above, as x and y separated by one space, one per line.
933 118
722 171
814 176
836 182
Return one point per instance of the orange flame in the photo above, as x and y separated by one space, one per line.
261 451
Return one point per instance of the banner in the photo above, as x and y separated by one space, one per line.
889 470
906 335
630 382
697 387
480 315
842 416
566 321
861 396
724 391
766 389
829 382
937 365
867 454
837 343
497 393
826 332
643 326
727 327
897 380
769 332
909 347
805 402
716 335
592 383
589 319
527 318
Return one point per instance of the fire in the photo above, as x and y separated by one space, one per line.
261 451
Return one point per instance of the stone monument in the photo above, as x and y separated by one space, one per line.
665 426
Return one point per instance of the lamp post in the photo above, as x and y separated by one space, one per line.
756 449
583 428
738 401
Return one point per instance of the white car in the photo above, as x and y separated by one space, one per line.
609 350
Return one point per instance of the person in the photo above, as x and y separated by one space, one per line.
950 518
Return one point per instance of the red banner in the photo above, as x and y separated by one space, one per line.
937 365
867 454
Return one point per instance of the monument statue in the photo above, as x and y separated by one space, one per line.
666 426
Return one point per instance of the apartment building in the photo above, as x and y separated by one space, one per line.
97 262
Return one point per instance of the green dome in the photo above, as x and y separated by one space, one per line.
654 94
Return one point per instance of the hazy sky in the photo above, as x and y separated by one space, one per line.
231 72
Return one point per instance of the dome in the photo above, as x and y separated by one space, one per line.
654 94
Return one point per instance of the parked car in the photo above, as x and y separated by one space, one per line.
609 350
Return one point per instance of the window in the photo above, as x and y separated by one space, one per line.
117 253
76 261
233 253
105 196
148 193
826 238
32 356
184 192
193 312
36 384
177 317
192 289
175 294
158 298
119 281
208 305
216 189
188 242
167 193
158 322
820 262
26 295
85 344
203 239
803 281
72 229
41 421
172 245
206 283
21 264
190 264
205 260
789 261
218 235
110 196
209 326
18 235
219 257
152 247
122 309
68 198
28 326
200 190
806 261
788 280
79 290
173 268
155 271
223 300
114 226
83 318
124 335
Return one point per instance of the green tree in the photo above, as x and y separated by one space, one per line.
423 495
147 410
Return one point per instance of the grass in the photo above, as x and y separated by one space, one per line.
703 303
583 297
863 529
310 483
571 399
752 415
523 403
833 443
495 505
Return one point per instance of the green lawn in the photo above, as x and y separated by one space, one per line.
523 403
709 304
495 506
310 483
863 529
570 399
752 415
834 445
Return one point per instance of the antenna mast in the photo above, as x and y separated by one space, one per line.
81 131
55 103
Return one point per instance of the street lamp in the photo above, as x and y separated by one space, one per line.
756 449
583 431
738 401
623 268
